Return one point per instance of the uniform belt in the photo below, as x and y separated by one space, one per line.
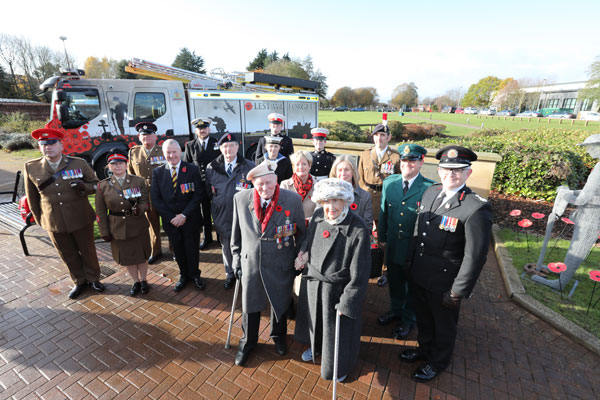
375 187
127 213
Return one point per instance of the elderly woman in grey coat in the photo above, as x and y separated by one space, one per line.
336 261
344 168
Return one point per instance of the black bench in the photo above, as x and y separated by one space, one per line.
10 215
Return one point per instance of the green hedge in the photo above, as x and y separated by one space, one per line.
534 161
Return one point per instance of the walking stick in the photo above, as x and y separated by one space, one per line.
336 353
235 295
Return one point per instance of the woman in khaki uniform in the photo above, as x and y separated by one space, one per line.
121 201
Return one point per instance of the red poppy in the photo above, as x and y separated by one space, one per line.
515 213
353 206
595 275
567 221
325 234
183 169
278 208
538 215
525 223
557 267
287 213
374 246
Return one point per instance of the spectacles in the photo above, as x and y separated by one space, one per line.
453 171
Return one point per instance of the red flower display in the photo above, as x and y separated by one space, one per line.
325 234
278 208
567 221
525 223
515 213
595 275
353 206
557 267
538 215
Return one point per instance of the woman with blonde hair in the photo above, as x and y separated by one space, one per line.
344 168
302 181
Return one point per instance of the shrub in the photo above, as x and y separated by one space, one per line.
534 162
17 141
18 122
345 131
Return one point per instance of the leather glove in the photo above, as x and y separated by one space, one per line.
238 274
106 238
450 302
79 186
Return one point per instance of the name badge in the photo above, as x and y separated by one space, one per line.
157 160
187 187
72 174
448 223
132 193
387 168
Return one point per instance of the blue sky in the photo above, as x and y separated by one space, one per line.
439 45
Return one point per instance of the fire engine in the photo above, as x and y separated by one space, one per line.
96 115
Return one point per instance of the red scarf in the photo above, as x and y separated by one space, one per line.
264 219
302 188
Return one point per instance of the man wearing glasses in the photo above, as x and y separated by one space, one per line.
449 251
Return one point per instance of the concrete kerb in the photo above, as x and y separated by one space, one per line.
516 292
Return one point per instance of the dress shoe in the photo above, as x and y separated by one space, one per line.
205 243
342 378
229 282
144 287
154 258
307 355
281 348
382 281
424 373
76 291
179 285
135 289
402 330
386 318
411 355
199 282
241 357
97 286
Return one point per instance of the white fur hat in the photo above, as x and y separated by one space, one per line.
333 188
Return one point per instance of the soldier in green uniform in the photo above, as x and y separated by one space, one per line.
401 196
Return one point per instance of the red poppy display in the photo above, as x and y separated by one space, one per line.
515 213
353 206
278 208
557 267
525 223
595 275
325 234
567 221
538 215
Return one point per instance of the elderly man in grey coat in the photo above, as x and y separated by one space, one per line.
268 227
338 259
225 176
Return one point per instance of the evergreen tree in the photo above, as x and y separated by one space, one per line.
189 61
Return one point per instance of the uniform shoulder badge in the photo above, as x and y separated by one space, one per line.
480 198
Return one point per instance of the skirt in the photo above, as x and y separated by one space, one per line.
131 251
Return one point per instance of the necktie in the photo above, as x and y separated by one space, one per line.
438 202
174 178
229 169
264 209
405 188
204 145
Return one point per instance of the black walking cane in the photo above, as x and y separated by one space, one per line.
235 295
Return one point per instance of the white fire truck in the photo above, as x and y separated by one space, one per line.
96 115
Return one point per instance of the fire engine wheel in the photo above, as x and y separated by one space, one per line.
101 168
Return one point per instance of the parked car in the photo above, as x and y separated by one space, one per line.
590 116
506 113
340 108
448 109
487 111
561 115
358 109
530 114
471 110
459 111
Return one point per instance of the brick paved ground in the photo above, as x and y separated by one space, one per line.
166 345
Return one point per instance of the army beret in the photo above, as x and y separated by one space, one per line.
146 128
380 128
319 133
264 168
226 138
116 155
455 157
273 140
276 118
201 122
47 135
411 152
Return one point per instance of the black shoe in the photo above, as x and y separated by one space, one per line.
199 282
97 286
76 291
402 331
386 318
179 285
154 259
281 348
229 282
205 243
241 357
135 289
144 287
411 355
425 373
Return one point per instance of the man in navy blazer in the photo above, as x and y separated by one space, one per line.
177 192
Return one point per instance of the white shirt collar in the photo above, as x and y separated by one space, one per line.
381 153
410 181
176 167
450 193
233 164
262 201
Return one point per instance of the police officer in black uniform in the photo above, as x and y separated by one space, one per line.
451 241
276 122
201 151
322 159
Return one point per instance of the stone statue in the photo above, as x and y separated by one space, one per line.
586 219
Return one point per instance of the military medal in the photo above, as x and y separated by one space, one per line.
157 160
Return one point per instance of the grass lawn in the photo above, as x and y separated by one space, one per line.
574 309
